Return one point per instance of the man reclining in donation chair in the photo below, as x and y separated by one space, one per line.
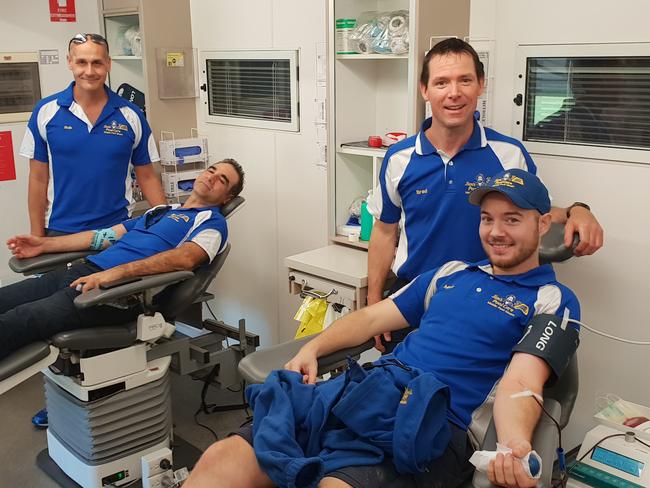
166 238
407 419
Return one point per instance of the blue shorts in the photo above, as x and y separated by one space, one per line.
450 470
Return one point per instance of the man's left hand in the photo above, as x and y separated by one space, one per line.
583 222
87 283
26 246
506 469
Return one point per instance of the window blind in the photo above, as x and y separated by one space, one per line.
256 89
602 101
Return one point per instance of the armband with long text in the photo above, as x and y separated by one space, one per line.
552 339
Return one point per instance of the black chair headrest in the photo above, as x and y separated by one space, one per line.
232 206
552 248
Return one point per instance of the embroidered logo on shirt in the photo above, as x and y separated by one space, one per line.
116 129
178 217
448 287
67 127
480 180
405 397
422 192
508 304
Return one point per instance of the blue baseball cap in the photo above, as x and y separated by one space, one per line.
524 189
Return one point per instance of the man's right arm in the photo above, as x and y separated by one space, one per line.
381 252
350 330
39 176
29 246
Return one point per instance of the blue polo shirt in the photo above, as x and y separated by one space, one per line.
163 228
467 320
426 192
90 165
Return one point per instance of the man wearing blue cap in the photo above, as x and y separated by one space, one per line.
470 321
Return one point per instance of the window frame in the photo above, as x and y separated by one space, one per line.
573 149
29 60
249 55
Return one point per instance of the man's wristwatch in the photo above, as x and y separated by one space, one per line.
576 204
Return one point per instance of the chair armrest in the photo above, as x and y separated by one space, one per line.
256 366
544 442
110 337
22 358
98 296
45 262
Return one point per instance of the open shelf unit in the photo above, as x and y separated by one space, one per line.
372 94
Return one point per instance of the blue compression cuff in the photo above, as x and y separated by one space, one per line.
552 339
100 236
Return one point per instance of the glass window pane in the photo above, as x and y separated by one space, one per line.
602 101
20 87
252 89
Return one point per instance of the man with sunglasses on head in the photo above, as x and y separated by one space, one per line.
166 238
82 143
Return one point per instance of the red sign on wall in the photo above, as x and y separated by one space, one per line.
62 11
7 166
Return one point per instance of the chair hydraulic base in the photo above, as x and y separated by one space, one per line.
115 473
98 433
184 454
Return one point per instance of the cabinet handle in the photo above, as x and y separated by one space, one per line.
309 293
204 87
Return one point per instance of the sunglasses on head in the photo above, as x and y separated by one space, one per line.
82 38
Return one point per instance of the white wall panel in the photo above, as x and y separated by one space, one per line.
286 193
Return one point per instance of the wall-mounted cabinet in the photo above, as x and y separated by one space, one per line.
135 30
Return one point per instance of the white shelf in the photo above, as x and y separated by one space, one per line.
126 58
372 56
363 151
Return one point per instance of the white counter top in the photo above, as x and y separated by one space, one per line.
334 262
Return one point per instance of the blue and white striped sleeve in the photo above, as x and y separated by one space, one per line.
411 300
385 203
33 145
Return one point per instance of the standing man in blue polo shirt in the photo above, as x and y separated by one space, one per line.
474 325
424 180
82 143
